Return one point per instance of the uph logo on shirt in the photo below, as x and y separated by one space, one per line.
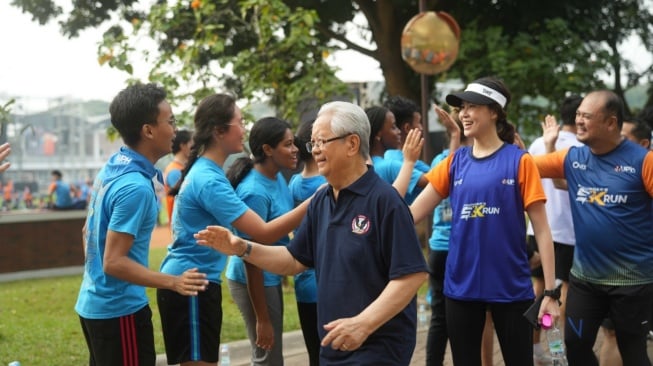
360 224
598 196
476 210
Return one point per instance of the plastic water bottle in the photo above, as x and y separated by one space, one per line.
13 363
555 341
422 317
225 359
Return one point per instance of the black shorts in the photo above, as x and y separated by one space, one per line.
191 324
127 340
607 323
564 258
622 308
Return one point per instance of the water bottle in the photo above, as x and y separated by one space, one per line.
555 340
13 363
225 360
422 317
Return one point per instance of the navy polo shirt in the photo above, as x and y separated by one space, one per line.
357 245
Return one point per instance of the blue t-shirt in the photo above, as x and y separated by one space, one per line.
441 230
357 245
388 170
301 189
124 200
173 177
611 209
205 198
487 258
269 198
62 191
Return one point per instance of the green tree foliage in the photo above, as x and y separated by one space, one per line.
276 49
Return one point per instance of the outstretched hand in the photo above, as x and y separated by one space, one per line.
413 145
221 240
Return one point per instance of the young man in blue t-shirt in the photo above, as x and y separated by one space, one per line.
112 305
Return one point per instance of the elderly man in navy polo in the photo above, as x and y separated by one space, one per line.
359 236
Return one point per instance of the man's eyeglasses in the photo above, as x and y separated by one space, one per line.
319 143
172 121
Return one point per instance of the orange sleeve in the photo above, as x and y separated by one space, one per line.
647 173
529 181
438 177
52 186
551 165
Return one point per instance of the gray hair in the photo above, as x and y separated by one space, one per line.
349 118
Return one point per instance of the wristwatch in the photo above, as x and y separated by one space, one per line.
554 294
248 250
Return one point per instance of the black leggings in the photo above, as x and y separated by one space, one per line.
465 322
308 319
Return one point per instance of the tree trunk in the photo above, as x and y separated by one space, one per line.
386 29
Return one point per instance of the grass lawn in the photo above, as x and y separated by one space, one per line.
39 326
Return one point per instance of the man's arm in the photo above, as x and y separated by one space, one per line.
275 259
348 334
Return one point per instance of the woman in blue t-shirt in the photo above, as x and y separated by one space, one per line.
385 135
259 183
192 324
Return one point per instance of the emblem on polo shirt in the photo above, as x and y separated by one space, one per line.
360 224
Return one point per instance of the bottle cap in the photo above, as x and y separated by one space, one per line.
547 321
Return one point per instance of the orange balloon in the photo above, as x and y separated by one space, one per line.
430 42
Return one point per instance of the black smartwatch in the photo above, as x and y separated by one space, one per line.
554 294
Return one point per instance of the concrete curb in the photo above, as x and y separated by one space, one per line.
240 351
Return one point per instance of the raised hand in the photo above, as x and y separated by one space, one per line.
451 126
550 131
413 145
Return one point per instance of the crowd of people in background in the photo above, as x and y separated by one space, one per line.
567 221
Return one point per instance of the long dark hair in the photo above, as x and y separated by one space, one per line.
376 116
213 113
266 131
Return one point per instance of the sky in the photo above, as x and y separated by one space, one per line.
41 64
